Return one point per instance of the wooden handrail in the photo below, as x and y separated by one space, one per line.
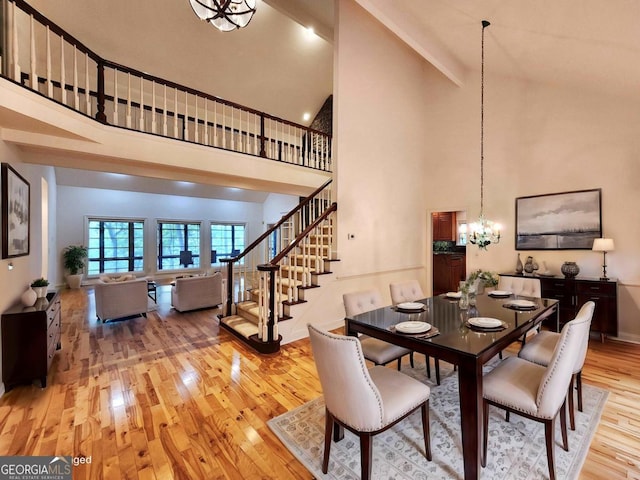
304 233
286 217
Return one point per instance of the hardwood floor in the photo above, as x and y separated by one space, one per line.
172 396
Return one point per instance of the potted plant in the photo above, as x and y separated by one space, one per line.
74 257
40 287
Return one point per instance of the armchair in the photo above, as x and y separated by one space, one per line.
121 299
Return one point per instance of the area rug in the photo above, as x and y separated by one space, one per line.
516 449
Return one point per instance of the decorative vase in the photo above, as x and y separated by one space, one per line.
29 297
519 266
40 291
570 269
463 303
528 265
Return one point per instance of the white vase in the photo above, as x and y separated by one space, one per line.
29 297
40 291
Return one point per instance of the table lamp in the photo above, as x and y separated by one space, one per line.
603 245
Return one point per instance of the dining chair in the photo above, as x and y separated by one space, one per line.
377 351
527 287
365 402
536 392
410 291
540 349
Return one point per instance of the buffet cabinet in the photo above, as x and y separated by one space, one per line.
30 338
572 293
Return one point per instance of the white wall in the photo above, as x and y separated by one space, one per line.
276 205
77 203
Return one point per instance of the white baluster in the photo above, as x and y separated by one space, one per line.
215 127
34 75
164 113
196 136
15 50
63 73
49 83
175 113
128 99
141 114
224 127
115 97
76 92
87 91
186 116
206 122
153 107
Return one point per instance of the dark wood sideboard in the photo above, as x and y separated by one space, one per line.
572 293
30 338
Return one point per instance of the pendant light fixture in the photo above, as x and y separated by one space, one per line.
483 232
225 15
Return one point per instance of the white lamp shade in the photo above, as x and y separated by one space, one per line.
603 245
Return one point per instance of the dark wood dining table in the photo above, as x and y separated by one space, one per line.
467 347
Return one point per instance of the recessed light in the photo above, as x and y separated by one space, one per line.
310 32
306 116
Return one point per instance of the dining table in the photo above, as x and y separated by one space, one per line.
466 337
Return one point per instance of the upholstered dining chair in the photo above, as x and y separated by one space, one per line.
536 392
540 349
525 286
377 351
365 402
410 291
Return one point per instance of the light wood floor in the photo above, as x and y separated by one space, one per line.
172 396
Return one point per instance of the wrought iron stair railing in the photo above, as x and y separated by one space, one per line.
40 55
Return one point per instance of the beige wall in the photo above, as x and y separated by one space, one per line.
408 144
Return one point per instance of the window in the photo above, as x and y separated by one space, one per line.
115 245
462 233
227 240
178 245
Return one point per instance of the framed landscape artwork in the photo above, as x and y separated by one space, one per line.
559 221
15 213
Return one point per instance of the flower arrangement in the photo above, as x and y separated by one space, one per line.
489 279
40 282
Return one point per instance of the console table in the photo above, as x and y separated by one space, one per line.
30 338
572 293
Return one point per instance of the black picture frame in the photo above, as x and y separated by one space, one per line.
559 221
16 213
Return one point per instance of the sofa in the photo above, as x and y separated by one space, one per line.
118 299
192 293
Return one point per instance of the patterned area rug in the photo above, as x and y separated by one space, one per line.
516 449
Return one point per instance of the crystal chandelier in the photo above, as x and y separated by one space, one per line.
483 232
225 15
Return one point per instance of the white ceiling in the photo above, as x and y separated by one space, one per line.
272 65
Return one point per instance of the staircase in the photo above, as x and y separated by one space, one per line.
294 252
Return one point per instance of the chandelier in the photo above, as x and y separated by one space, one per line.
483 232
225 15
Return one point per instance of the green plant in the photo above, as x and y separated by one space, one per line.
40 282
74 257
490 279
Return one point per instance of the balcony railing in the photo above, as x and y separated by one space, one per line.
43 57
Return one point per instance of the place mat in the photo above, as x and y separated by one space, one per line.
485 329
521 308
432 332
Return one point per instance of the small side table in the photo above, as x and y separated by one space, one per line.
152 290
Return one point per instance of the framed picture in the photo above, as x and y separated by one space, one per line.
559 221
15 213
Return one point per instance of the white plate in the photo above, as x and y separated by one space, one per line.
485 322
413 327
500 293
454 294
410 306
521 303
